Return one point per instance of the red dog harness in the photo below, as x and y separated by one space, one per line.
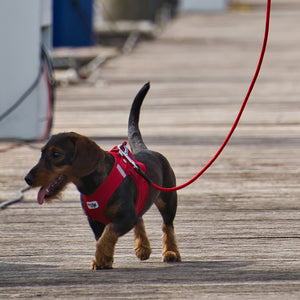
95 204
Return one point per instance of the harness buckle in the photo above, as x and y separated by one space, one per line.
124 152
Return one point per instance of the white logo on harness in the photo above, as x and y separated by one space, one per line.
92 204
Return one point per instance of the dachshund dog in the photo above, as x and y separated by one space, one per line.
70 157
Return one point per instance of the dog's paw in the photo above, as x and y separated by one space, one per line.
102 265
143 253
171 256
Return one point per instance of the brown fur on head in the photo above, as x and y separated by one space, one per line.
66 158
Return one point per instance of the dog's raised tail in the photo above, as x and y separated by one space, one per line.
134 135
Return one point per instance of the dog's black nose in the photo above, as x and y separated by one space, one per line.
28 178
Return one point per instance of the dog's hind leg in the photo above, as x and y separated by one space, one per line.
141 243
167 205
170 251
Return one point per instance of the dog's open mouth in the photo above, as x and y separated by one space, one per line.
51 189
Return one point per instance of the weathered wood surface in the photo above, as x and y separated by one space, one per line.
238 227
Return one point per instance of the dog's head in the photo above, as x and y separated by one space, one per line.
66 158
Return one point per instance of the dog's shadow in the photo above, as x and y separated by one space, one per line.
192 272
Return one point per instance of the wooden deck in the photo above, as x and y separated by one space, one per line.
238 226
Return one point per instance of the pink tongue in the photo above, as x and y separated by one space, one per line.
41 195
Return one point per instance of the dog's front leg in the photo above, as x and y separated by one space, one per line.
105 249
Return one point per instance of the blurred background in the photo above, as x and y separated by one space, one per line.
38 36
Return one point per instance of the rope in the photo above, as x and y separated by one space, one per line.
19 198
262 53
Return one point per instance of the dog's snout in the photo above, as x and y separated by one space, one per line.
29 179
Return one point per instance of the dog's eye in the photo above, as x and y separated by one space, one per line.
56 154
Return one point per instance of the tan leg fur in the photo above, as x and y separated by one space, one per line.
142 246
170 251
105 249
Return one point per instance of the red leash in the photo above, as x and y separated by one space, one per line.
262 53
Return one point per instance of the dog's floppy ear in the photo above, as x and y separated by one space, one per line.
86 157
